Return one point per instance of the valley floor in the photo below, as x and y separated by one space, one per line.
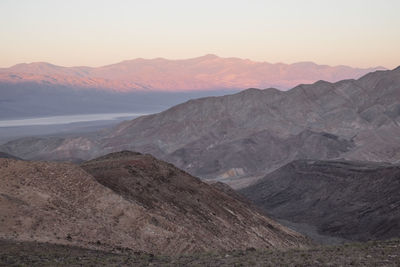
373 253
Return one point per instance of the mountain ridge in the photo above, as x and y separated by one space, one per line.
253 132
208 72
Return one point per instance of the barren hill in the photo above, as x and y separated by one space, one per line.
128 200
351 200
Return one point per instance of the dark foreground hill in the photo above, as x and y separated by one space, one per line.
249 134
383 253
351 200
128 200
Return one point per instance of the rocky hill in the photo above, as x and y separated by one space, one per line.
131 201
346 199
239 138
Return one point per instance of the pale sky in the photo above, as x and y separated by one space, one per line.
359 33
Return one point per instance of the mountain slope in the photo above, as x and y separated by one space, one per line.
7 156
351 200
128 200
203 73
253 132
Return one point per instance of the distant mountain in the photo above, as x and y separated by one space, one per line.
346 199
141 85
131 201
239 138
208 72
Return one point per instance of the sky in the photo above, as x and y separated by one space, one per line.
358 33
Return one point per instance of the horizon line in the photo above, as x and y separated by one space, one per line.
198 57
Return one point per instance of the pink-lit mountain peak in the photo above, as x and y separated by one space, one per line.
44 68
35 67
208 72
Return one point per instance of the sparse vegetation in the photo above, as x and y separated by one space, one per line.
374 253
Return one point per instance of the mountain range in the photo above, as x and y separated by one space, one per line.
241 137
145 85
319 159
208 72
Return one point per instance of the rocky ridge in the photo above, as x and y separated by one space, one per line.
127 200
